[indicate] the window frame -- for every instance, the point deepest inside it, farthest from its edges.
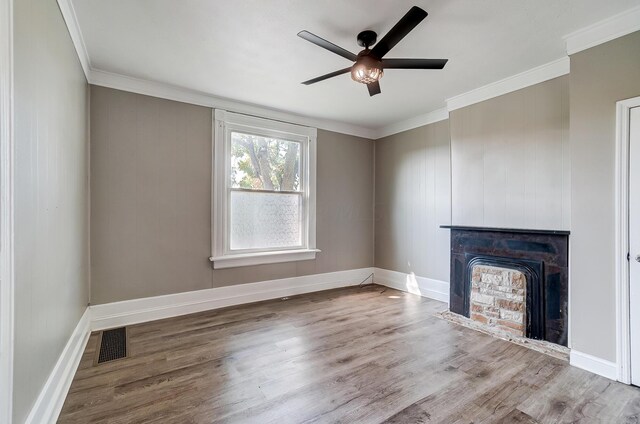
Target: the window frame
(224, 123)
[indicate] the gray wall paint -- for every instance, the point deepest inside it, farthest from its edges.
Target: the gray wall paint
(151, 197)
(150, 191)
(510, 159)
(600, 76)
(412, 182)
(51, 195)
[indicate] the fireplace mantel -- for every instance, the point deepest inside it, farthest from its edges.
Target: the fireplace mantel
(507, 230)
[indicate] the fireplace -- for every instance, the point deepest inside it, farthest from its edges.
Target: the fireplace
(514, 280)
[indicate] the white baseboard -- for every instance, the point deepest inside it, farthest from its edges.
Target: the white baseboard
(135, 311)
(49, 403)
(594, 364)
(411, 283)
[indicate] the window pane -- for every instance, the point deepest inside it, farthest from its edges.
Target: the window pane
(263, 163)
(265, 220)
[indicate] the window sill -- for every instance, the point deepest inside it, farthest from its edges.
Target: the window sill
(247, 259)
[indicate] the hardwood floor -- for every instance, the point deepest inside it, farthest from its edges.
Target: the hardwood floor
(355, 355)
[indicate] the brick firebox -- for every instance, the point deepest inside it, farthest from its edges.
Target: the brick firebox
(498, 298)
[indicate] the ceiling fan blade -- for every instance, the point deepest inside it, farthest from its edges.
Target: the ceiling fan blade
(327, 45)
(327, 76)
(413, 63)
(374, 88)
(414, 16)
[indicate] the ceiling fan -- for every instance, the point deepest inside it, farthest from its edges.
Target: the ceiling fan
(369, 64)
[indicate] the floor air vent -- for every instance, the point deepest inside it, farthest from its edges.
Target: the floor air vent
(113, 345)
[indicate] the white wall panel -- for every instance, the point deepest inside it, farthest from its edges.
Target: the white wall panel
(413, 201)
(51, 195)
(510, 161)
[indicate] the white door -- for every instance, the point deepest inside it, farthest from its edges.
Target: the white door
(634, 241)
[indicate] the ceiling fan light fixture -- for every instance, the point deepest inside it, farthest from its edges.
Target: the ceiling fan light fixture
(368, 65)
(365, 75)
(366, 70)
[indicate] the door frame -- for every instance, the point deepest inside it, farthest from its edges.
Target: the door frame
(7, 283)
(623, 316)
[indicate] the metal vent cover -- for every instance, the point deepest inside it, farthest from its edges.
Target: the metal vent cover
(113, 345)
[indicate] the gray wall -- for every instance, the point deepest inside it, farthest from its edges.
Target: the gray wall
(412, 179)
(600, 76)
(51, 195)
(504, 162)
(510, 159)
(151, 197)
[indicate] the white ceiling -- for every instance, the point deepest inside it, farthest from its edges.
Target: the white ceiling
(248, 50)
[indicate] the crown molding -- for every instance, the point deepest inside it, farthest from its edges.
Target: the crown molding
(415, 122)
(71, 20)
(507, 85)
(606, 30)
(600, 32)
(185, 95)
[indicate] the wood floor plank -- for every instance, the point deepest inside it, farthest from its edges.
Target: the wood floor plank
(354, 355)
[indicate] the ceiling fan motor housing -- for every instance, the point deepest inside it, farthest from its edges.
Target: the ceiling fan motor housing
(367, 38)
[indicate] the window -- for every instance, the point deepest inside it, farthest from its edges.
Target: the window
(264, 191)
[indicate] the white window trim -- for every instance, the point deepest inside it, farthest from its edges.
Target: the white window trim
(220, 255)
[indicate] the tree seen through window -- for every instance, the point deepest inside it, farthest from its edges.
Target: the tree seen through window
(262, 163)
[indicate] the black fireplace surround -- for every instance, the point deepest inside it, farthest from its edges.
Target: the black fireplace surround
(542, 256)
